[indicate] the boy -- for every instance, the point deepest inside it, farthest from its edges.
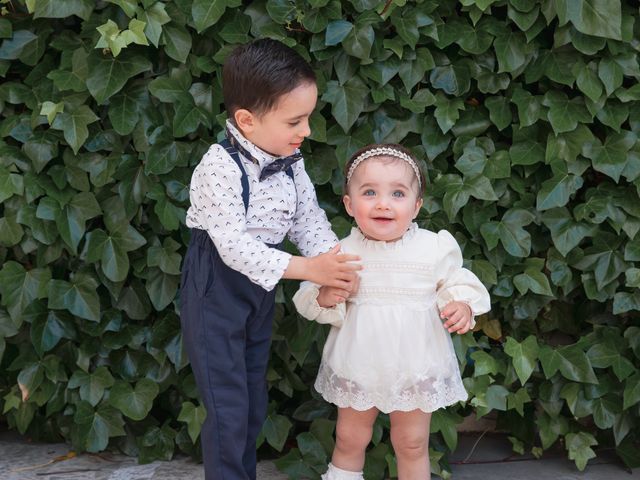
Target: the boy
(244, 200)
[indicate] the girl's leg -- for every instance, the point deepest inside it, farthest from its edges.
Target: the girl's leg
(410, 439)
(353, 434)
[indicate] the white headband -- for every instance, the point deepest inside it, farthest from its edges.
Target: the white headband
(384, 152)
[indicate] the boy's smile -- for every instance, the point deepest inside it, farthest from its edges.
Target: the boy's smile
(382, 198)
(281, 130)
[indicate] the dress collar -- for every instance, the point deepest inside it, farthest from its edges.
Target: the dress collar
(384, 245)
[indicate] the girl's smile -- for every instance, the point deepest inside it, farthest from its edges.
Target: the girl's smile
(382, 198)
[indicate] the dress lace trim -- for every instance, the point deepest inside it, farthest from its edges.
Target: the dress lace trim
(426, 392)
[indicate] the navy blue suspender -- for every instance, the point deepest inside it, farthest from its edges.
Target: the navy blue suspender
(244, 180)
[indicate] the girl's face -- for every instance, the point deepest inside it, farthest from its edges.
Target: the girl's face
(382, 197)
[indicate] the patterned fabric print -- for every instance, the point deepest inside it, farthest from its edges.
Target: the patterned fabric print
(277, 207)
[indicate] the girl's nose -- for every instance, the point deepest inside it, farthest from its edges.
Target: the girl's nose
(382, 204)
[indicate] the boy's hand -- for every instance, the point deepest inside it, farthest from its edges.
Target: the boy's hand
(334, 269)
(329, 297)
(458, 317)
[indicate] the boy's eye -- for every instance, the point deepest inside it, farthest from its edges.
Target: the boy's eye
(294, 124)
(398, 193)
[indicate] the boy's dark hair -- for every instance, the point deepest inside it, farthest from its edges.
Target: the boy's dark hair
(255, 75)
(394, 146)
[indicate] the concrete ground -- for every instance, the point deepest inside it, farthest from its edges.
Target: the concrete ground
(487, 457)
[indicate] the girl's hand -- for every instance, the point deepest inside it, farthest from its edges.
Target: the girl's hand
(458, 317)
(330, 296)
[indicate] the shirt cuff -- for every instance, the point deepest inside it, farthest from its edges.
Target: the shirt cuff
(306, 302)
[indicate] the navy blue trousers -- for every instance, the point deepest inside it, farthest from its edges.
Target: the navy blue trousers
(226, 325)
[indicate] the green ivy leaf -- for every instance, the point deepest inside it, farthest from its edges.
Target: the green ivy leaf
(206, 13)
(194, 418)
(78, 296)
(499, 111)
(579, 447)
(161, 288)
(134, 403)
(154, 17)
(359, 41)
(601, 18)
(92, 385)
(10, 184)
(107, 75)
(67, 8)
(95, 427)
(511, 51)
(47, 331)
(611, 157)
(73, 124)
(445, 421)
(20, 287)
(447, 111)
(565, 231)
(510, 232)
(524, 355)
(347, 101)
(575, 365)
(564, 114)
(631, 392)
(276, 430)
(557, 191)
(336, 32)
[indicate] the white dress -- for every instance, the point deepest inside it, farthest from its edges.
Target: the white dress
(387, 347)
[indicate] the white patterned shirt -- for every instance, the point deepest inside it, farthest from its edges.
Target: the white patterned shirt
(277, 207)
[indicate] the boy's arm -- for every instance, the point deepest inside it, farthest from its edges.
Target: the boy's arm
(332, 269)
(217, 207)
(311, 231)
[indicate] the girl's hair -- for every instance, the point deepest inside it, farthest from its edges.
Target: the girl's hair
(257, 74)
(385, 150)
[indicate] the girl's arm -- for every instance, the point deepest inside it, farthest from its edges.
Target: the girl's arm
(458, 286)
(306, 302)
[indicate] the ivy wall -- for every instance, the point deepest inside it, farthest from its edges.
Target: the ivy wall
(525, 112)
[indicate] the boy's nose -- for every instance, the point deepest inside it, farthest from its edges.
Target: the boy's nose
(305, 130)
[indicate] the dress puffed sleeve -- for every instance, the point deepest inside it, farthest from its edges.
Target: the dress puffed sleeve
(306, 302)
(456, 283)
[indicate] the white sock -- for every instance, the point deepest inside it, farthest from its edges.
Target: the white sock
(335, 473)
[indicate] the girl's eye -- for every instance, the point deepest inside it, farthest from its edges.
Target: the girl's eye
(398, 193)
(368, 193)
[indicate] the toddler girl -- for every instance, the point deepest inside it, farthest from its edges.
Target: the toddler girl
(389, 348)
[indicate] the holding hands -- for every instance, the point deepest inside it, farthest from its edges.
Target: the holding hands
(335, 269)
(330, 296)
(458, 317)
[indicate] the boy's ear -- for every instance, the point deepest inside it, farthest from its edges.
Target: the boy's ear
(347, 204)
(245, 120)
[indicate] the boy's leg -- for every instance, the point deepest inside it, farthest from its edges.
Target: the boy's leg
(213, 322)
(258, 334)
(410, 440)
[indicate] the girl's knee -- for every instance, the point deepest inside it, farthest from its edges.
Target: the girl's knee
(352, 438)
(410, 444)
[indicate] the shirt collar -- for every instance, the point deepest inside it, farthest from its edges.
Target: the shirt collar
(260, 155)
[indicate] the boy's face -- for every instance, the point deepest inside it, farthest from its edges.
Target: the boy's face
(383, 199)
(281, 130)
